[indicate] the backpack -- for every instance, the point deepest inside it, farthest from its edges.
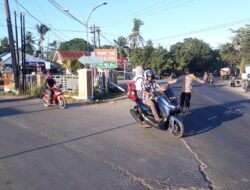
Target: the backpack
(132, 95)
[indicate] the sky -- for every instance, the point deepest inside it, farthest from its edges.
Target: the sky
(166, 22)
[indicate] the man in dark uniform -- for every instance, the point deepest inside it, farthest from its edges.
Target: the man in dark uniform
(49, 85)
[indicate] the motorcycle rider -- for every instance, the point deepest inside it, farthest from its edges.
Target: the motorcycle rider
(50, 83)
(149, 88)
(210, 78)
(139, 78)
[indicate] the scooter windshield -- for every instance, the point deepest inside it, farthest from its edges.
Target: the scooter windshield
(170, 94)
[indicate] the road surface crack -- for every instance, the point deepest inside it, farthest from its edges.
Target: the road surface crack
(149, 184)
(202, 166)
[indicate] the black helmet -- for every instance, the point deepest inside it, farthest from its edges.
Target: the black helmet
(186, 70)
(149, 73)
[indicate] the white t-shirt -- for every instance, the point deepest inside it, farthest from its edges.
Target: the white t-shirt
(138, 86)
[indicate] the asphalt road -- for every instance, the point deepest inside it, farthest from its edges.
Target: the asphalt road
(102, 147)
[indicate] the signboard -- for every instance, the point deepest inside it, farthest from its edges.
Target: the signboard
(90, 60)
(47, 65)
(109, 57)
(109, 65)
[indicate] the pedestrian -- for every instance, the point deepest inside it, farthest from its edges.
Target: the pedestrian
(186, 89)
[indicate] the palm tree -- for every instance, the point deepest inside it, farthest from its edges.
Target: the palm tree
(42, 30)
(135, 39)
(29, 43)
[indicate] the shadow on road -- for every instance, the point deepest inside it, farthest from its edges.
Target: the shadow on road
(7, 100)
(64, 142)
(213, 116)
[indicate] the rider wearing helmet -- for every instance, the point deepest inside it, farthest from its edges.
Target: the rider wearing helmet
(49, 85)
(149, 88)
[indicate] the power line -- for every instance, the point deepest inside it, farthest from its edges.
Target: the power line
(29, 13)
(143, 10)
(152, 12)
(111, 43)
(60, 8)
(205, 29)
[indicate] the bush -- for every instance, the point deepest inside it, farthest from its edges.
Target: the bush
(36, 91)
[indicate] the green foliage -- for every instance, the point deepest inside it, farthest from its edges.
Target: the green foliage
(76, 44)
(76, 65)
(121, 42)
(36, 91)
(4, 45)
(229, 54)
(192, 53)
(29, 42)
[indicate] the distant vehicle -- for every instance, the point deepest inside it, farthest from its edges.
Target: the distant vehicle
(225, 73)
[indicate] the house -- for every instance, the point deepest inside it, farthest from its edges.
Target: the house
(65, 58)
(32, 63)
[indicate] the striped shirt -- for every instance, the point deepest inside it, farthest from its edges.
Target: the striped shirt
(151, 87)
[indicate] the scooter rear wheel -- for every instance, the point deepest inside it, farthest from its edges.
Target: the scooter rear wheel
(45, 101)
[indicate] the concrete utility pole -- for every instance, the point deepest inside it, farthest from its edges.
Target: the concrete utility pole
(23, 53)
(12, 45)
(98, 36)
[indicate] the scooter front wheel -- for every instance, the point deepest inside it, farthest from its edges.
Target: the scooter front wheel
(176, 127)
(62, 102)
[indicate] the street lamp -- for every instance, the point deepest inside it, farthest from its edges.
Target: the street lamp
(87, 23)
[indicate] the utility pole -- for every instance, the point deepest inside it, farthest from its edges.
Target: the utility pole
(17, 50)
(23, 48)
(93, 30)
(98, 36)
(12, 45)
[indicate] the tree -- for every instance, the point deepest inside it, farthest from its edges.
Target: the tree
(135, 38)
(52, 47)
(241, 43)
(192, 53)
(29, 43)
(229, 55)
(76, 44)
(4, 45)
(121, 44)
(42, 29)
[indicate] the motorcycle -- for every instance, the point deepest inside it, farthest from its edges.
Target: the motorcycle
(232, 81)
(58, 98)
(210, 82)
(167, 104)
(246, 85)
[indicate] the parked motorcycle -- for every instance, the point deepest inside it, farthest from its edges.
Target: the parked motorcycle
(168, 108)
(210, 82)
(246, 85)
(232, 81)
(58, 98)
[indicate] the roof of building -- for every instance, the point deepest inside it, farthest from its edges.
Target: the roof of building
(30, 59)
(72, 55)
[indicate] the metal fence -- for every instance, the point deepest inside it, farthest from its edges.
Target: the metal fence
(121, 74)
(68, 82)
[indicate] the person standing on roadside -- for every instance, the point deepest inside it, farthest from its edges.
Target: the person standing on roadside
(187, 88)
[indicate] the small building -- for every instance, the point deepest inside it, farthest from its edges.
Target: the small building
(33, 64)
(66, 58)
